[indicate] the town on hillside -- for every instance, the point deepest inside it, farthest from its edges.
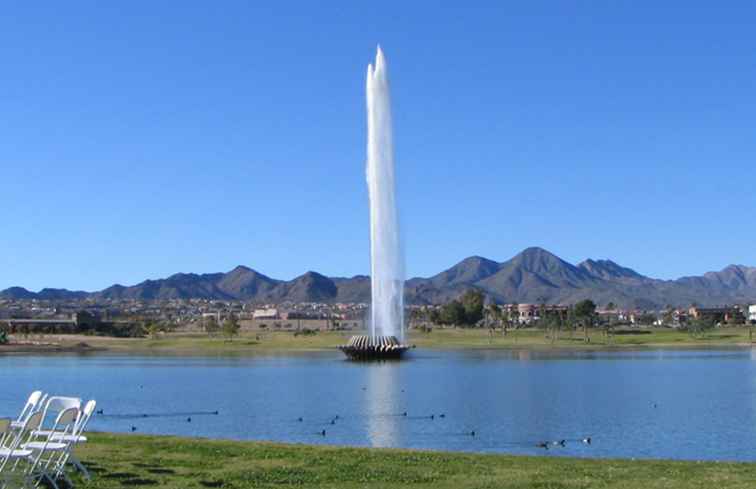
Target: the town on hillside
(137, 318)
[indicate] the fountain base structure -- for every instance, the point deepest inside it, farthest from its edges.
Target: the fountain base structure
(366, 348)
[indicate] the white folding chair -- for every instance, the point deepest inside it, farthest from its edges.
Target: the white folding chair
(76, 438)
(13, 453)
(47, 453)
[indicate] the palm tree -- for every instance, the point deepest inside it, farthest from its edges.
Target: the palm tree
(493, 313)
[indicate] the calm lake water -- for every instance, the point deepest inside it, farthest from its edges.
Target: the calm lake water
(648, 404)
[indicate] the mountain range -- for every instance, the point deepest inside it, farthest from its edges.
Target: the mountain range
(533, 276)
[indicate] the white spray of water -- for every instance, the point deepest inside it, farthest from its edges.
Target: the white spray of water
(387, 260)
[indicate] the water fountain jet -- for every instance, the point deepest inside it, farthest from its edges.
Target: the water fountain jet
(386, 257)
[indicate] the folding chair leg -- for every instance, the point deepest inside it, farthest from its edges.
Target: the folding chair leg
(69, 482)
(50, 479)
(80, 467)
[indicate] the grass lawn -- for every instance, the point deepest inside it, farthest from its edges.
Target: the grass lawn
(284, 341)
(120, 461)
(534, 338)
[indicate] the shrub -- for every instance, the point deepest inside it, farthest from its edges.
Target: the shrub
(306, 332)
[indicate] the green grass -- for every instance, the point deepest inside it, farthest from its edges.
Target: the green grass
(533, 338)
(121, 461)
(282, 341)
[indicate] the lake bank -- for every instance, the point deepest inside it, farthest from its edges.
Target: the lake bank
(250, 343)
(172, 462)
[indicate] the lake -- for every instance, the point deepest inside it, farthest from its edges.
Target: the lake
(643, 404)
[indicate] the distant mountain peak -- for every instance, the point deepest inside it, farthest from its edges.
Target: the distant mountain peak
(535, 250)
(535, 258)
(607, 269)
(469, 270)
(311, 275)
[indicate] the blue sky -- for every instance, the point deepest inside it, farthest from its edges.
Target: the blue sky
(142, 139)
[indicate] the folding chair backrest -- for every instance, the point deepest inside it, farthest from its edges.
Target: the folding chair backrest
(31, 404)
(66, 419)
(86, 413)
(33, 423)
(58, 404)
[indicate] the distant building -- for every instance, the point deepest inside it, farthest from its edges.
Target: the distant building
(303, 315)
(532, 312)
(608, 315)
(752, 313)
(270, 313)
(679, 317)
(215, 315)
(719, 314)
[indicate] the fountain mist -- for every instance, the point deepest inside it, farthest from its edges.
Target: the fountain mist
(387, 260)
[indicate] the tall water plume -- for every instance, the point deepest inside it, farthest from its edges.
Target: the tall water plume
(387, 260)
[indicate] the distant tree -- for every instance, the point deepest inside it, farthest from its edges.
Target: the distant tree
(551, 323)
(608, 324)
(472, 301)
(699, 327)
(513, 316)
(585, 314)
(611, 306)
(3, 337)
(493, 314)
(452, 313)
(647, 319)
(152, 329)
(418, 317)
(210, 324)
(668, 317)
(541, 307)
(735, 318)
(435, 316)
(231, 327)
(168, 326)
(585, 309)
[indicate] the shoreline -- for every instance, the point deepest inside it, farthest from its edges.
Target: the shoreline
(285, 343)
(51, 349)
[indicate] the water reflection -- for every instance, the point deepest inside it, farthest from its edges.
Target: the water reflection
(381, 404)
